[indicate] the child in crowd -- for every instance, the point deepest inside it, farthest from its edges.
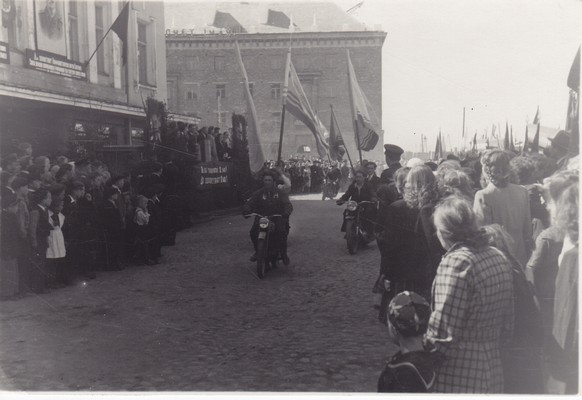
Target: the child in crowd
(56, 251)
(412, 368)
(143, 232)
(113, 228)
(39, 230)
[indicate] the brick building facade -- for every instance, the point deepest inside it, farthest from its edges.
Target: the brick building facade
(204, 78)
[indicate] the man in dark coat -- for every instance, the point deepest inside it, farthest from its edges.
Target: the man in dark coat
(317, 177)
(372, 178)
(270, 200)
(392, 154)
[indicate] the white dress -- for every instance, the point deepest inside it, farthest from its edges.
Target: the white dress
(56, 240)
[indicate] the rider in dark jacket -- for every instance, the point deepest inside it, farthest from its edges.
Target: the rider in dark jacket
(361, 190)
(270, 200)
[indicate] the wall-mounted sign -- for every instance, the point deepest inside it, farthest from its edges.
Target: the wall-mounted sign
(54, 64)
(4, 53)
(207, 176)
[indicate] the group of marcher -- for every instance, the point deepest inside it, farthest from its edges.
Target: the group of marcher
(62, 221)
(479, 270)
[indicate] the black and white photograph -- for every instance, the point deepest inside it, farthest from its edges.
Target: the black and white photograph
(289, 197)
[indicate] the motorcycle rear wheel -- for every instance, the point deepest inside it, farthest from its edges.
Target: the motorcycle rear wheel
(261, 259)
(352, 238)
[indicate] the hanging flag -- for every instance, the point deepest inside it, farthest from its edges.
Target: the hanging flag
(336, 142)
(256, 156)
(506, 138)
(493, 130)
(525, 142)
(474, 147)
(120, 26)
(439, 150)
(365, 129)
(297, 104)
(537, 117)
(535, 144)
(574, 75)
(511, 145)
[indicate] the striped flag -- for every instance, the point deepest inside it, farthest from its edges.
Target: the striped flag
(365, 129)
(256, 155)
(297, 104)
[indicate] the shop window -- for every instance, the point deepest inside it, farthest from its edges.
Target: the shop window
(275, 91)
(73, 30)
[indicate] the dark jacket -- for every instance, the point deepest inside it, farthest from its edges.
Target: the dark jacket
(111, 218)
(374, 181)
(412, 372)
(387, 175)
(269, 202)
(366, 193)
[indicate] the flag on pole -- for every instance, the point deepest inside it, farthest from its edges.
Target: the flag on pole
(535, 144)
(506, 138)
(256, 156)
(474, 146)
(537, 117)
(574, 75)
(120, 26)
(336, 142)
(511, 144)
(366, 129)
(439, 151)
(525, 142)
(297, 104)
(493, 130)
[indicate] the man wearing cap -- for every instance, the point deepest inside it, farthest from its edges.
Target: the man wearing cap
(392, 153)
(317, 177)
(559, 148)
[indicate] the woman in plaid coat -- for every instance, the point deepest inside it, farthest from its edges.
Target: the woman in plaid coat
(472, 301)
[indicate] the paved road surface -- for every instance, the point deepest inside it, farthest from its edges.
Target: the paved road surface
(202, 321)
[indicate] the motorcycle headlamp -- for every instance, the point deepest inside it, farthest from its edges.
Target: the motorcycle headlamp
(352, 206)
(264, 223)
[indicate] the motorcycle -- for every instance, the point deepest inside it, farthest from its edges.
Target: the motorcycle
(355, 235)
(267, 250)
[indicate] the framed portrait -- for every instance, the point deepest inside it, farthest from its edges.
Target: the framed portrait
(50, 26)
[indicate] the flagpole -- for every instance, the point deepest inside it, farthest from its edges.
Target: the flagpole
(285, 85)
(346, 147)
(103, 38)
(354, 119)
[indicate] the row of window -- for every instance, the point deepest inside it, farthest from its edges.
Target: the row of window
(276, 63)
(192, 90)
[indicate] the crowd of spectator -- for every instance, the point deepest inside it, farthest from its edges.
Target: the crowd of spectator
(62, 221)
(479, 272)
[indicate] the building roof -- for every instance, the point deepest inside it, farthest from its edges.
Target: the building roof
(252, 17)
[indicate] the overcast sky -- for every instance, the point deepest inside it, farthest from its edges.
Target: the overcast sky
(498, 58)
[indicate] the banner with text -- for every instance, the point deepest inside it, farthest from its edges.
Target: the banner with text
(54, 64)
(4, 53)
(212, 175)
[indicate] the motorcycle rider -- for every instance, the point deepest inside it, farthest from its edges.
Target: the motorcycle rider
(270, 200)
(333, 177)
(361, 190)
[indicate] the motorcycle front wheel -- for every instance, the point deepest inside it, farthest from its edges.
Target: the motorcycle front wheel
(261, 259)
(352, 238)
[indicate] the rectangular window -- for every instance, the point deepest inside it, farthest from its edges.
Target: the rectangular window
(276, 63)
(142, 52)
(99, 31)
(275, 91)
(74, 30)
(191, 91)
(219, 63)
(221, 91)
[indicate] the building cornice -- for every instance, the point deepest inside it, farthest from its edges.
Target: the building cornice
(184, 39)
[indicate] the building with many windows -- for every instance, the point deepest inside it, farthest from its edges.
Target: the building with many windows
(204, 77)
(51, 97)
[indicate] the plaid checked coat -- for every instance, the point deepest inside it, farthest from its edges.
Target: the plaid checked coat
(472, 312)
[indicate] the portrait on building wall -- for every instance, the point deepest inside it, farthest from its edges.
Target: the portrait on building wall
(50, 26)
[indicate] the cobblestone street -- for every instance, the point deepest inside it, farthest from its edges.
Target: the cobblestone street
(202, 321)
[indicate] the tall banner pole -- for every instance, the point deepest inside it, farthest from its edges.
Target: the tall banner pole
(285, 85)
(354, 117)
